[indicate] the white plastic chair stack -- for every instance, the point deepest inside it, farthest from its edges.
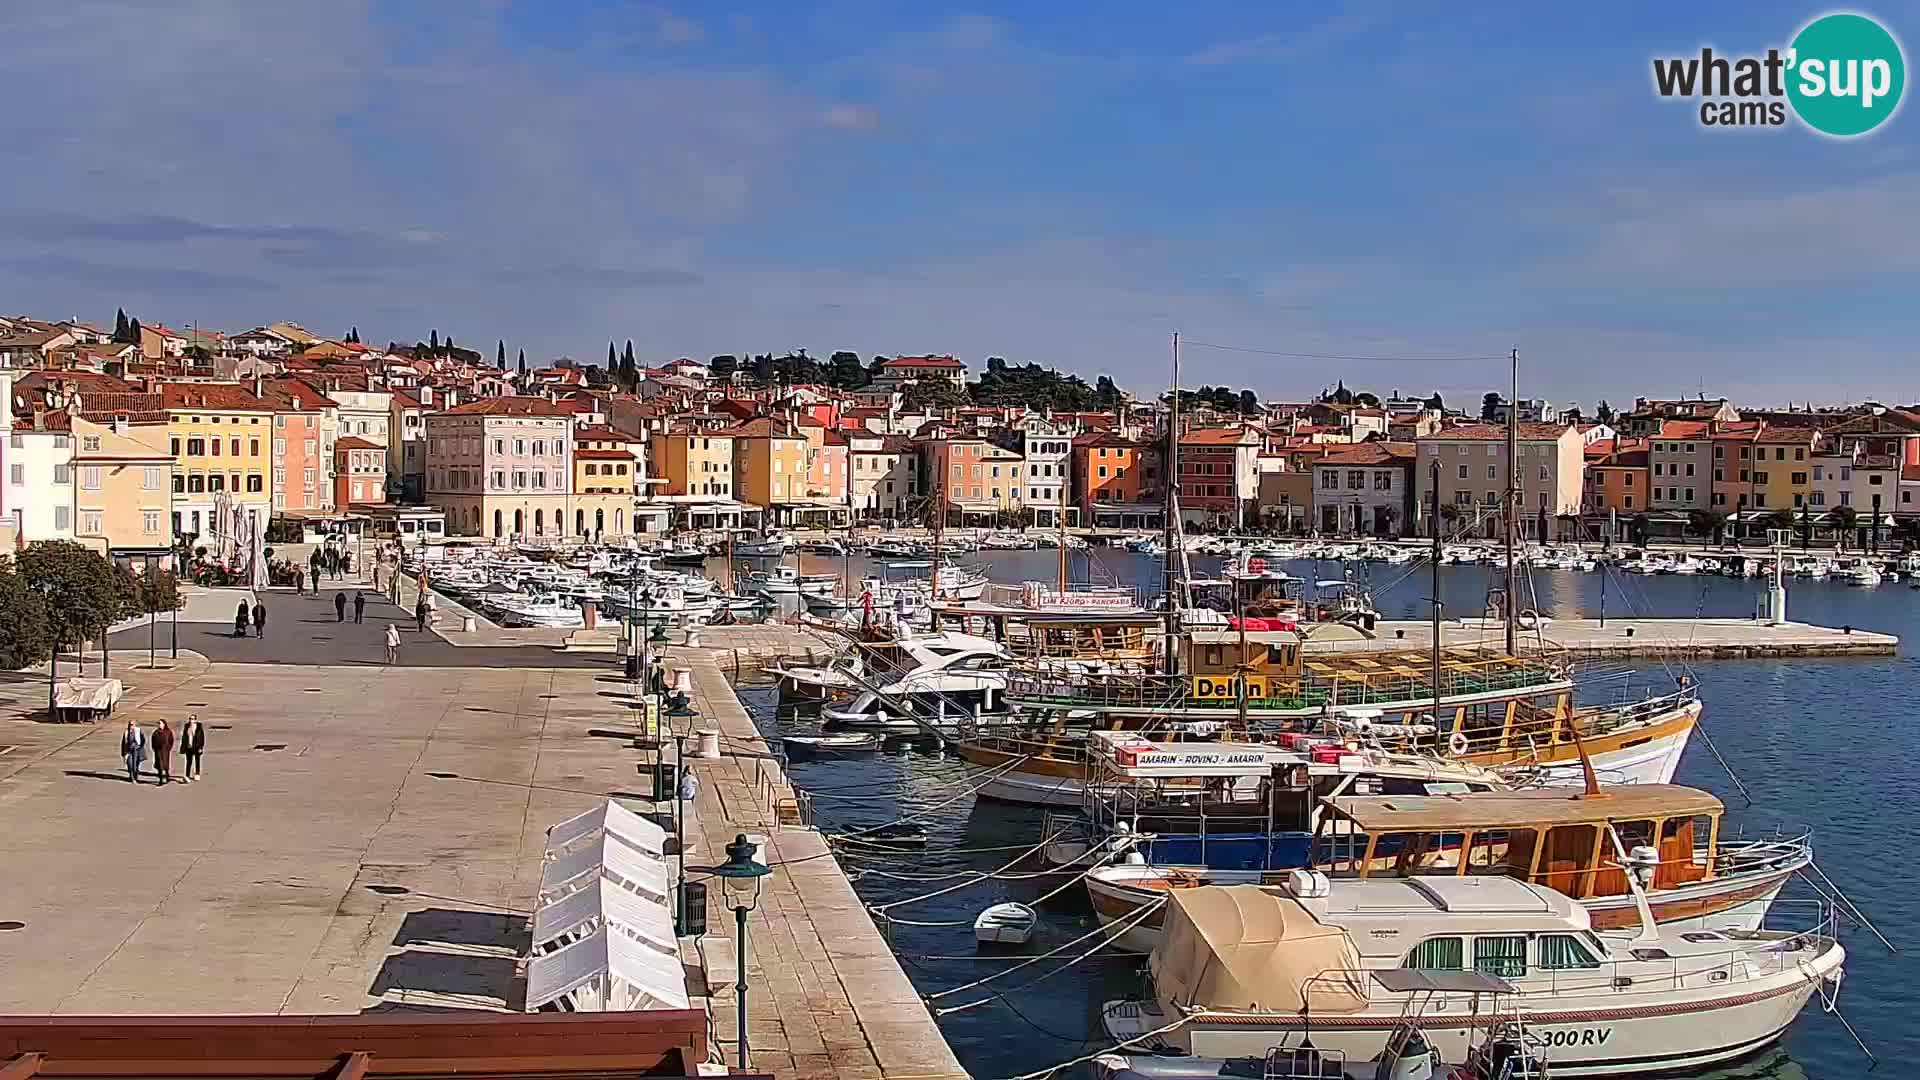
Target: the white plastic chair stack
(602, 937)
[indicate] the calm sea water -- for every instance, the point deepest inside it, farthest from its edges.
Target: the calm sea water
(1826, 743)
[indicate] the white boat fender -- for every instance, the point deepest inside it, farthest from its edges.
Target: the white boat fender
(1457, 743)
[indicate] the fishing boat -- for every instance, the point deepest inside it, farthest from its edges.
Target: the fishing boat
(825, 545)
(787, 580)
(547, 611)
(1005, 924)
(685, 553)
(771, 545)
(843, 743)
(1857, 572)
(1244, 970)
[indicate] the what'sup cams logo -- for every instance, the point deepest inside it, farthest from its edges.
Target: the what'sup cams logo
(1842, 76)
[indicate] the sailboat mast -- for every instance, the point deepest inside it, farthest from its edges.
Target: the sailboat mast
(1061, 515)
(1433, 515)
(1168, 572)
(1513, 490)
(939, 522)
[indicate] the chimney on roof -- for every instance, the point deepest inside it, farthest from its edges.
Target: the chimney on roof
(256, 382)
(39, 419)
(120, 423)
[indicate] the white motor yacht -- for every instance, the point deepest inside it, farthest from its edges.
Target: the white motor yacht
(1244, 970)
(937, 680)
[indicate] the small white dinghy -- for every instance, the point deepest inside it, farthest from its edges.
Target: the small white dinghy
(1005, 924)
(851, 743)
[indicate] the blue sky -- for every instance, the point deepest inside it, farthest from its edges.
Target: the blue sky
(1065, 185)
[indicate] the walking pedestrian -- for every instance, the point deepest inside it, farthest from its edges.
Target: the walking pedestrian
(259, 619)
(193, 741)
(376, 574)
(163, 741)
(393, 643)
(240, 620)
(359, 606)
(339, 607)
(133, 748)
(314, 569)
(420, 613)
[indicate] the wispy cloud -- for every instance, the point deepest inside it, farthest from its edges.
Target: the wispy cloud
(1288, 44)
(848, 117)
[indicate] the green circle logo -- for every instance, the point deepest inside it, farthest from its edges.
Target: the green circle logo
(1846, 74)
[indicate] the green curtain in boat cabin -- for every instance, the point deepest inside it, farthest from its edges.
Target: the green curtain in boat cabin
(1564, 952)
(1438, 954)
(1504, 955)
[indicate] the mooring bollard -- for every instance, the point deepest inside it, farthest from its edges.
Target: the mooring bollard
(468, 624)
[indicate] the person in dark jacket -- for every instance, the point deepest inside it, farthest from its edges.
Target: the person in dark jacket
(259, 619)
(339, 607)
(359, 607)
(420, 613)
(163, 740)
(240, 620)
(133, 749)
(193, 741)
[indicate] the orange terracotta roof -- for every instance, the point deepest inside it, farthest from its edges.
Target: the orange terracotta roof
(601, 455)
(1684, 429)
(510, 405)
(1371, 453)
(355, 442)
(1525, 431)
(1219, 437)
(221, 396)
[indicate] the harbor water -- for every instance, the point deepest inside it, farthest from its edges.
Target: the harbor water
(1826, 743)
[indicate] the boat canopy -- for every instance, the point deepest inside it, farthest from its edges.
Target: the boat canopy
(1241, 948)
(1544, 808)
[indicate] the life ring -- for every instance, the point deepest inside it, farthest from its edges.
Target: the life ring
(1457, 743)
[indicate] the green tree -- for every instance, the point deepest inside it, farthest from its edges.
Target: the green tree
(500, 355)
(523, 365)
(353, 334)
(723, 366)
(938, 392)
(1639, 528)
(141, 594)
(1435, 403)
(433, 339)
(1708, 523)
(1249, 403)
(1603, 412)
(1844, 519)
(133, 332)
(24, 635)
(523, 360)
(1105, 394)
(78, 587)
(629, 378)
(1490, 407)
(120, 325)
(845, 371)
(1367, 399)
(613, 359)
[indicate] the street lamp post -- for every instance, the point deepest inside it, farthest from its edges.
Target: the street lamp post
(740, 878)
(680, 715)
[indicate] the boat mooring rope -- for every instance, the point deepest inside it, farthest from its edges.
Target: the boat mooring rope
(1111, 931)
(1039, 1074)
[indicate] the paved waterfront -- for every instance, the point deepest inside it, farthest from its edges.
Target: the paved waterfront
(370, 837)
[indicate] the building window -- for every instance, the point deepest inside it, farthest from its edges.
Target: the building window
(179, 484)
(90, 477)
(18, 474)
(151, 522)
(1463, 471)
(63, 518)
(63, 474)
(195, 446)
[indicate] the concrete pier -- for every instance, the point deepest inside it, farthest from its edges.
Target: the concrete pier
(826, 997)
(1703, 639)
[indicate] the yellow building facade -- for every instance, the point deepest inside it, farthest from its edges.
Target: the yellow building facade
(693, 463)
(123, 488)
(769, 463)
(221, 439)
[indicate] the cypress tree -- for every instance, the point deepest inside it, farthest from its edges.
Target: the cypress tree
(613, 364)
(523, 361)
(500, 355)
(433, 340)
(629, 371)
(133, 332)
(120, 325)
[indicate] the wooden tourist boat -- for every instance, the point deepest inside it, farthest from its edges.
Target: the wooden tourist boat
(1494, 710)
(1692, 879)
